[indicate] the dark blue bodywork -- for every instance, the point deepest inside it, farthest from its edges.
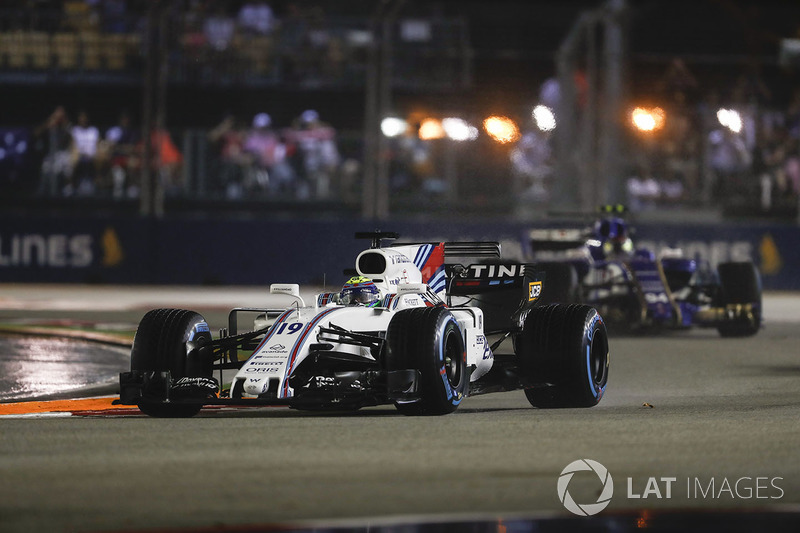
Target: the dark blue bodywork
(635, 288)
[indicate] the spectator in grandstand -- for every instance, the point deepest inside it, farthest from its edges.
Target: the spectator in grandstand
(256, 18)
(118, 150)
(193, 39)
(85, 140)
(532, 163)
(643, 189)
(767, 162)
(677, 80)
(167, 161)
(317, 155)
(54, 141)
(219, 29)
(729, 160)
(793, 115)
(269, 168)
(410, 161)
(678, 149)
(304, 39)
(791, 166)
(227, 139)
(783, 156)
(323, 49)
(15, 169)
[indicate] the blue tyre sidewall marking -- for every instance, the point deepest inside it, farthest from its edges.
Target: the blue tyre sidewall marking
(595, 388)
(592, 386)
(452, 396)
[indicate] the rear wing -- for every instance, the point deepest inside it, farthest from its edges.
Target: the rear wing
(504, 291)
(460, 248)
(472, 249)
(451, 249)
(431, 258)
(491, 277)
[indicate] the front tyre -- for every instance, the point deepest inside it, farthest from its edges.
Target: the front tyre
(563, 350)
(160, 351)
(429, 340)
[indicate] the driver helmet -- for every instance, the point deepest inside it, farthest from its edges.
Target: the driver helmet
(613, 233)
(360, 291)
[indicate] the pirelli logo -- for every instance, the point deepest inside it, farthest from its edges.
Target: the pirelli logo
(534, 290)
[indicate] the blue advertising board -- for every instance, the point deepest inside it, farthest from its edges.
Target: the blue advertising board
(259, 251)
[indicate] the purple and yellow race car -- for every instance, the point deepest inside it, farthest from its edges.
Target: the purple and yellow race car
(640, 291)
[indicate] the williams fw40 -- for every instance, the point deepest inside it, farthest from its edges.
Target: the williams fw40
(411, 328)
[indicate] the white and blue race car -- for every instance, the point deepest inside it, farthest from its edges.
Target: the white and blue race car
(410, 328)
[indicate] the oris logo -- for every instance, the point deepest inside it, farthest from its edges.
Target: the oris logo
(606, 485)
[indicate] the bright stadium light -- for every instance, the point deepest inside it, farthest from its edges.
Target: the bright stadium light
(431, 128)
(501, 129)
(459, 129)
(731, 119)
(648, 120)
(544, 117)
(393, 126)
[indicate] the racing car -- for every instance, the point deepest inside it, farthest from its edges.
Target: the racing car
(407, 329)
(636, 290)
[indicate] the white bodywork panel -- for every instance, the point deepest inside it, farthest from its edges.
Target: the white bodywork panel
(287, 343)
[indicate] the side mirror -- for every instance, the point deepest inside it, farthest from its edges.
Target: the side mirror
(289, 289)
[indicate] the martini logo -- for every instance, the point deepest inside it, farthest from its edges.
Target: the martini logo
(492, 271)
(604, 481)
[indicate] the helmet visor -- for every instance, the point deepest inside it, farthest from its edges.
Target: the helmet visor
(360, 295)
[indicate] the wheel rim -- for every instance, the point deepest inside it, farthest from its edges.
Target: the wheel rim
(598, 359)
(452, 359)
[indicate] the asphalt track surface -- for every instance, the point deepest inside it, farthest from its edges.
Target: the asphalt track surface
(720, 416)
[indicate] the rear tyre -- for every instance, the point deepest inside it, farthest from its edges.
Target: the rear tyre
(740, 283)
(560, 283)
(563, 349)
(159, 347)
(430, 341)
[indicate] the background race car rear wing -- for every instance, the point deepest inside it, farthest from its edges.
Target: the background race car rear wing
(557, 239)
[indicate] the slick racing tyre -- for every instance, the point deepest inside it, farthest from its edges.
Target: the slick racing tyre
(740, 283)
(160, 351)
(429, 340)
(564, 349)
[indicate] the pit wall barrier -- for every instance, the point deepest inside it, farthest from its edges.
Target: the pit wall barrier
(189, 251)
